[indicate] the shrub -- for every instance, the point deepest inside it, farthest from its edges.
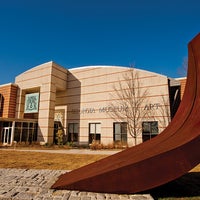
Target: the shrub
(96, 145)
(59, 137)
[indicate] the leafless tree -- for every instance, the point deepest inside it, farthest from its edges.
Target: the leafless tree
(130, 96)
(164, 115)
(183, 69)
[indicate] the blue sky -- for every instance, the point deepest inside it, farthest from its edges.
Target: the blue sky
(151, 34)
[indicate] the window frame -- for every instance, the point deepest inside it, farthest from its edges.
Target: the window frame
(95, 136)
(122, 135)
(74, 135)
(152, 132)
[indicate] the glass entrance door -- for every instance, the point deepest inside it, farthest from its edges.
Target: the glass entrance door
(6, 135)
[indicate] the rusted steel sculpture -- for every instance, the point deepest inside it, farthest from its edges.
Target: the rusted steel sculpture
(164, 158)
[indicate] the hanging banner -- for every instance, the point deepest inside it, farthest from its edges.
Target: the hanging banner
(31, 103)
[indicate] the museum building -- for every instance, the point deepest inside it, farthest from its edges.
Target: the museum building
(92, 103)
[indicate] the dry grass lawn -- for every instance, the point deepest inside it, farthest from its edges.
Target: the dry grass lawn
(37, 160)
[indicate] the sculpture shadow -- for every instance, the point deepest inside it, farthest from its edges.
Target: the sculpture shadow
(187, 185)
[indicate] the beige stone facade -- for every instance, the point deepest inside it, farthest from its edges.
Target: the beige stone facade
(47, 79)
(81, 101)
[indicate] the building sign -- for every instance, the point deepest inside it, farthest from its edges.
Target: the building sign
(152, 106)
(31, 103)
(105, 109)
(110, 109)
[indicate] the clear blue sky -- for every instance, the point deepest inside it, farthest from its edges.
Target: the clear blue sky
(151, 34)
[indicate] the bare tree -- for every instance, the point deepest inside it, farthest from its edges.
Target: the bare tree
(129, 95)
(163, 114)
(183, 69)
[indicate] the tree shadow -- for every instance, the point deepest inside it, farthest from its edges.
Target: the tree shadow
(186, 186)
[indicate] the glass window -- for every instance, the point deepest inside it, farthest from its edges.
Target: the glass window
(117, 128)
(25, 132)
(92, 128)
(120, 132)
(94, 132)
(98, 128)
(73, 130)
(149, 130)
(154, 128)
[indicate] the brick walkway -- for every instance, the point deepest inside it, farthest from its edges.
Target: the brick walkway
(23, 184)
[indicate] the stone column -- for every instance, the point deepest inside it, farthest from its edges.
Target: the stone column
(20, 104)
(12, 133)
(46, 113)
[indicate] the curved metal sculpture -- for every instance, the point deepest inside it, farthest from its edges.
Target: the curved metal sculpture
(164, 158)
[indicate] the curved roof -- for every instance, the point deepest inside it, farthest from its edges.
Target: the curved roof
(112, 66)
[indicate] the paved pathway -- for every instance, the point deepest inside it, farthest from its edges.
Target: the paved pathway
(24, 184)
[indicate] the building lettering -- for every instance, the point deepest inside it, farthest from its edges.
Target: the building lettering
(109, 109)
(152, 106)
(105, 109)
